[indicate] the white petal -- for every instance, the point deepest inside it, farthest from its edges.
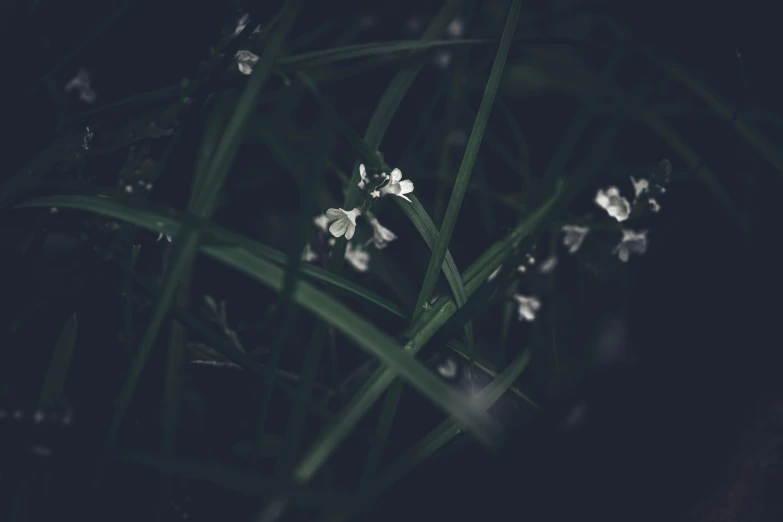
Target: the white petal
(448, 368)
(404, 197)
(640, 186)
(375, 194)
(362, 171)
(321, 222)
(521, 268)
(406, 186)
(350, 230)
(396, 176)
(352, 215)
(548, 265)
(339, 227)
(654, 206)
(335, 213)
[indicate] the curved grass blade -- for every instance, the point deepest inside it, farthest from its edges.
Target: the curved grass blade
(466, 168)
(436, 439)
(54, 383)
(246, 483)
(310, 191)
(203, 204)
(365, 335)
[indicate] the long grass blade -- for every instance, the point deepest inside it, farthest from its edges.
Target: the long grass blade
(203, 204)
(54, 383)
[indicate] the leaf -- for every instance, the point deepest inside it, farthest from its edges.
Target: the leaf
(54, 383)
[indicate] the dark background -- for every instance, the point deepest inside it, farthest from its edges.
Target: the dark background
(700, 309)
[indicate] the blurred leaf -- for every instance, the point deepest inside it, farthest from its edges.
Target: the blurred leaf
(54, 383)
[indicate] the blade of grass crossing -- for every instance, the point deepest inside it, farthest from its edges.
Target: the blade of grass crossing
(203, 204)
(465, 170)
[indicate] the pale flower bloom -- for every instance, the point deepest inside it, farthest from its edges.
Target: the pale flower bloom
(398, 186)
(548, 265)
(358, 257)
(614, 204)
(241, 24)
(322, 222)
(528, 306)
(343, 222)
(574, 237)
(246, 61)
(363, 174)
(81, 82)
(456, 28)
(654, 206)
(530, 259)
(640, 186)
(308, 255)
(381, 236)
(375, 194)
(522, 269)
(632, 242)
(448, 368)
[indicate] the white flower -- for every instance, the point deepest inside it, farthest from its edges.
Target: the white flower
(548, 265)
(614, 204)
(245, 61)
(527, 307)
(363, 174)
(641, 186)
(442, 59)
(654, 206)
(359, 258)
(448, 368)
(321, 221)
(574, 237)
(381, 236)
(241, 23)
(456, 28)
(344, 222)
(635, 242)
(81, 82)
(521, 268)
(530, 259)
(494, 274)
(308, 255)
(375, 194)
(398, 186)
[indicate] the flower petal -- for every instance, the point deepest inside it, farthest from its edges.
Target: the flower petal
(406, 186)
(351, 228)
(396, 176)
(339, 227)
(335, 213)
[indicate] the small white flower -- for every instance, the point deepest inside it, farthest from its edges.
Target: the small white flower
(321, 221)
(381, 236)
(442, 59)
(308, 255)
(161, 236)
(343, 222)
(522, 268)
(398, 186)
(548, 265)
(654, 206)
(81, 83)
(456, 28)
(358, 257)
(528, 306)
(614, 204)
(245, 61)
(241, 24)
(495, 273)
(448, 368)
(375, 194)
(640, 186)
(574, 237)
(530, 259)
(635, 242)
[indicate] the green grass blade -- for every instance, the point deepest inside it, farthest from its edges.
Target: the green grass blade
(54, 383)
(203, 204)
(365, 335)
(469, 159)
(309, 191)
(246, 483)
(435, 440)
